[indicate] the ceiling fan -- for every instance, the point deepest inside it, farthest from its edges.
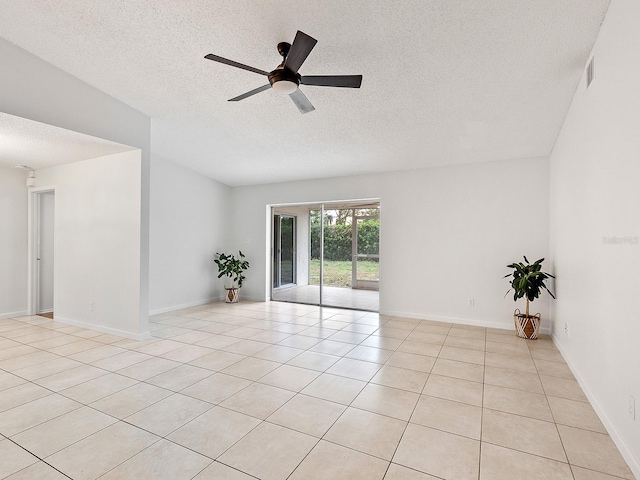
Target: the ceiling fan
(285, 79)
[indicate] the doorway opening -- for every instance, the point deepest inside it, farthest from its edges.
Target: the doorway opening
(41, 252)
(333, 250)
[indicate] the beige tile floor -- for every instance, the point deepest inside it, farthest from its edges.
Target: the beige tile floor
(286, 391)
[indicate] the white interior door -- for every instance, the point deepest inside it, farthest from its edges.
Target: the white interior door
(45, 253)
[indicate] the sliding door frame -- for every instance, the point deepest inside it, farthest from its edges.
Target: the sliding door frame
(321, 207)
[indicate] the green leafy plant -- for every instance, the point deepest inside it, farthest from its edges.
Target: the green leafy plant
(528, 280)
(232, 267)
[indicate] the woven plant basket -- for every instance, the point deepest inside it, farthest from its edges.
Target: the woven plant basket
(527, 326)
(232, 295)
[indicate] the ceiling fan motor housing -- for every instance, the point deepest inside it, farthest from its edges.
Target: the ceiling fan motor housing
(283, 49)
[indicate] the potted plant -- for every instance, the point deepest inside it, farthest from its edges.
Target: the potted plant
(528, 281)
(232, 267)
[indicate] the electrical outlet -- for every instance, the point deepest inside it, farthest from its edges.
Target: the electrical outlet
(632, 408)
(91, 306)
(566, 329)
(471, 302)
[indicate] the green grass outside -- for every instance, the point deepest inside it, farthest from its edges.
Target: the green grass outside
(338, 273)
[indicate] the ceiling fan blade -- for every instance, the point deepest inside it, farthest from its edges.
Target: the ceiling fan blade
(252, 92)
(216, 58)
(349, 81)
(302, 102)
(299, 51)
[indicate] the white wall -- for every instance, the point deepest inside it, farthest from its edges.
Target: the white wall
(38, 91)
(189, 224)
(447, 234)
(595, 174)
(97, 242)
(46, 222)
(13, 242)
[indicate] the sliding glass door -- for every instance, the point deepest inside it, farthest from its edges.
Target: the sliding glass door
(341, 265)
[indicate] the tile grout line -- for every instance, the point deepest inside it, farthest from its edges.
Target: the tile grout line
(546, 399)
(484, 373)
(36, 456)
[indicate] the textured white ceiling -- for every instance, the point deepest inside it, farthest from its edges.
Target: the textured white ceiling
(37, 145)
(445, 81)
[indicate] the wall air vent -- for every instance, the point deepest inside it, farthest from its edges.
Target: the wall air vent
(590, 72)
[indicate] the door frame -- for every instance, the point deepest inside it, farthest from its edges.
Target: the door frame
(321, 207)
(33, 238)
(277, 250)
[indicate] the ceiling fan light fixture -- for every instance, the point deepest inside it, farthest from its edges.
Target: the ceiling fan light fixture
(284, 87)
(285, 79)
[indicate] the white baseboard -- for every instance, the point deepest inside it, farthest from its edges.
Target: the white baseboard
(21, 313)
(627, 454)
(421, 316)
(194, 303)
(458, 320)
(103, 329)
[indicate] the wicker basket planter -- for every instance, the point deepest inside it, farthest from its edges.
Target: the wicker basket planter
(232, 295)
(527, 326)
